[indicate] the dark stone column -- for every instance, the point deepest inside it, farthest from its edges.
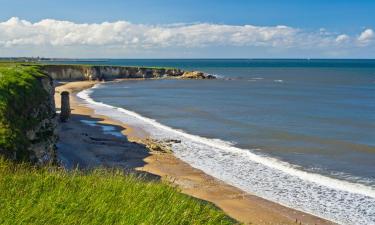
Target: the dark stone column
(65, 107)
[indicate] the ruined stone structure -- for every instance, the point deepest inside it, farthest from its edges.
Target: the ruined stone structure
(65, 107)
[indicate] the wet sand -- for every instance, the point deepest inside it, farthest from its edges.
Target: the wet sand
(85, 143)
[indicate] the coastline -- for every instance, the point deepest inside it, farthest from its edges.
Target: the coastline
(241, 206)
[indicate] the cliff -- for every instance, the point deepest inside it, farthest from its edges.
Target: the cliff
(27, 108)
(27, 114)
(88, 72)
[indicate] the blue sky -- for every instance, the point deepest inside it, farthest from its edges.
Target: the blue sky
(336, 17)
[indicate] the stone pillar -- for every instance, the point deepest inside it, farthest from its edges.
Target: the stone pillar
(65, 107)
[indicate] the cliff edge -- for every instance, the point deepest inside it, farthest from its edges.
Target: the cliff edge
(91, 72)
(27, 114)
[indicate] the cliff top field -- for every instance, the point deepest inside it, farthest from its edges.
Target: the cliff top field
(30, 195)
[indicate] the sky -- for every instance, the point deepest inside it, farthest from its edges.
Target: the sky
(188, 28)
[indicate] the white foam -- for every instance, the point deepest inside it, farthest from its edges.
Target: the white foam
(333, 199)
(256, 79)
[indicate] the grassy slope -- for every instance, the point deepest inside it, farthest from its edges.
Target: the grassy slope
(29, 195)
(20, 92)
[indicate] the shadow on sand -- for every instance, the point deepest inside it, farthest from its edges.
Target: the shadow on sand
(86, 144)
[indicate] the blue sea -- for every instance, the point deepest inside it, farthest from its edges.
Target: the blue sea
(297, 132)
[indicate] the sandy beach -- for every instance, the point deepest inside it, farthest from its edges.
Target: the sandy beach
(89, 140)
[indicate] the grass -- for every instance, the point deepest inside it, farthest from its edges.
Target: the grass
(20, 93)
(30, 195)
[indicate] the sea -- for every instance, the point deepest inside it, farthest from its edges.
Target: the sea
(299, 132)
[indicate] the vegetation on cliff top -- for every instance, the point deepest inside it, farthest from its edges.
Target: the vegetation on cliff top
(20, 93)
(30, 195)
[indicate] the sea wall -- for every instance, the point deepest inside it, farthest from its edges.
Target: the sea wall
(89, 72)
(27, 115)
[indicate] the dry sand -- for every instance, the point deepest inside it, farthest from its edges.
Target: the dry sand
(87, 146)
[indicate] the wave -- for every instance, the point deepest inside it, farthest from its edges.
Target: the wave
(336, 200)
(217, 76)
(255, 79)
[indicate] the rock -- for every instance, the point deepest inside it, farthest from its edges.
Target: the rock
(175, 141)
(43, 135)
(174, 72)
(148, 73)
(209, 76)
(196, 75)
(157, 73)
(155, 147)
(158, 146)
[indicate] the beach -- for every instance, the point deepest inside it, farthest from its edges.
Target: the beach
(202, 112)
(91, 140)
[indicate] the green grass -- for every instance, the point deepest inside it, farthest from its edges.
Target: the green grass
(20, 93)
(30, 195)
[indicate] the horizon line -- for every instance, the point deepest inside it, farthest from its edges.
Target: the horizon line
(175, 58)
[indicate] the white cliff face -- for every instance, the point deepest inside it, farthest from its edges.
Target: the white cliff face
(82, 72)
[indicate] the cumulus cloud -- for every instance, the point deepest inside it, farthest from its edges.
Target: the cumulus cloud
(366, 36)
(125, 34)
(56, 34)
(342, 38)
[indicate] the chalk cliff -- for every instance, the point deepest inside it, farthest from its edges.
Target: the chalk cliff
(86, 72)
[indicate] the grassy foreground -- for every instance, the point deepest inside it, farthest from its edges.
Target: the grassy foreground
(30, 195)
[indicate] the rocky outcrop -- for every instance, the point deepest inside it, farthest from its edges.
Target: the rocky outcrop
(83, 72)
(196, 75)
(161, 146)
(42, 137)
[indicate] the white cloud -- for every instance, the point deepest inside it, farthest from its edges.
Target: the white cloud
(55, 35)
(342, 38)
(366, 36)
